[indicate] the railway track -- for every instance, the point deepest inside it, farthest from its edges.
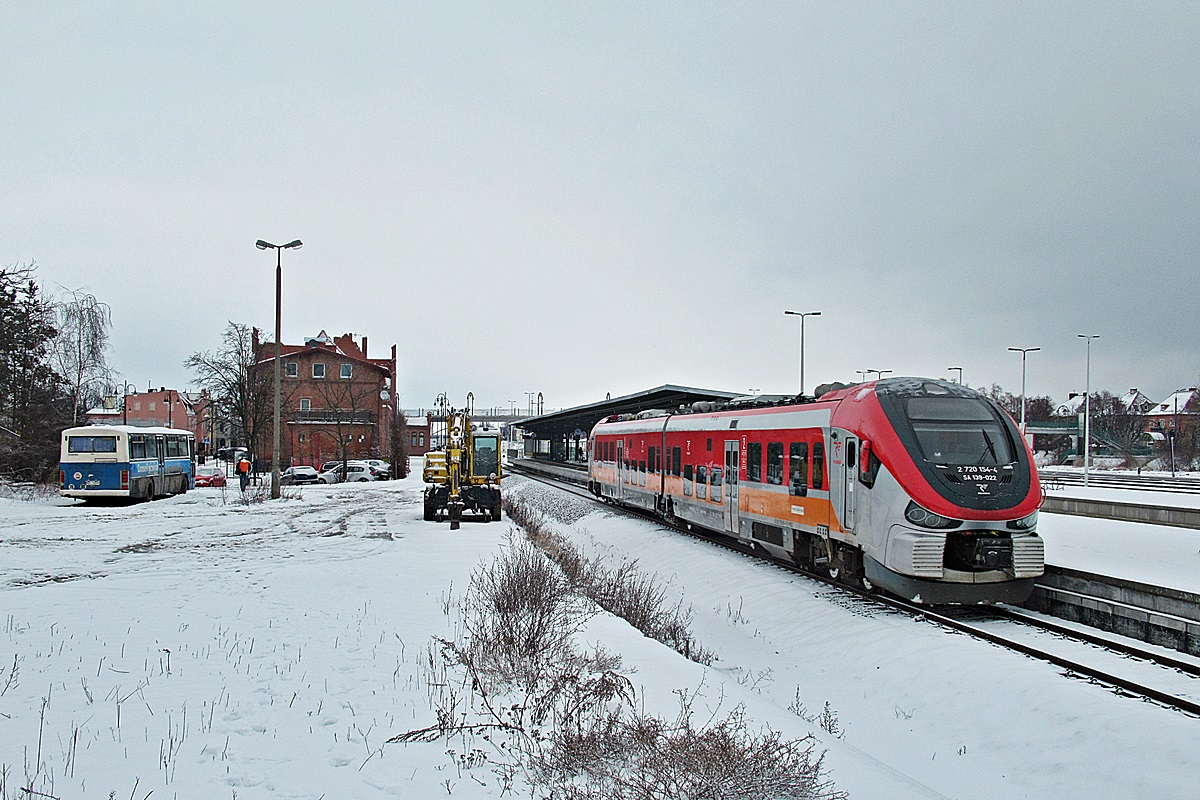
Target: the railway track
(1052, 479)
(1110, 655)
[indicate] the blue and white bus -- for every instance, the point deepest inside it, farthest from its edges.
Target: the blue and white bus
(126, 461)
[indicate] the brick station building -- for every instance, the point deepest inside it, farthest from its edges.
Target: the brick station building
(331, 393)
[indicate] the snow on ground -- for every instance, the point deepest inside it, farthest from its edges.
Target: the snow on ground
(199, 648)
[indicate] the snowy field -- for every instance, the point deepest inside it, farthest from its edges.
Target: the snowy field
(197, 648)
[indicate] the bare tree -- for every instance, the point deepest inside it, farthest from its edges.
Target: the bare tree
(399, 444)
(348, 403)
(239, 392)
(80, 349)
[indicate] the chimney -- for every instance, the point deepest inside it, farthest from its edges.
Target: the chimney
(364, 347)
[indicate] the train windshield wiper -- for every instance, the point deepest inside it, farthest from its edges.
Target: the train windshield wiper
(990, 448)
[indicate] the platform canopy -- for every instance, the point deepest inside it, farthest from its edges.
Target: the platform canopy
(578, 421)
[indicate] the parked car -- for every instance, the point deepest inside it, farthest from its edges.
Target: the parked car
(210, 476)
(295, 476)
(381, 469)
(356, 471)
(231, 453)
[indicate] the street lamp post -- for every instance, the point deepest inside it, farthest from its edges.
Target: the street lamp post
(1024, 351)
(802, 315)
(1087, 408)
(125, 401)
(879, 373)
(863, 372)
(951, 369)
(278, 248)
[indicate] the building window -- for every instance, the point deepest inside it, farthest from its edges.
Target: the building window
(422, 438)
(305, 404)
(347, 371)
(302, 438)
(291, 369)
(414, 440)
(152, 404)
(137, 405)
(318, 369)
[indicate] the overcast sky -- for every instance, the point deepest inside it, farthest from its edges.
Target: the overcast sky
(581, 198)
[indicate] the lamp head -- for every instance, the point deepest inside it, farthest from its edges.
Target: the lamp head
(294, 245)
(261, 245)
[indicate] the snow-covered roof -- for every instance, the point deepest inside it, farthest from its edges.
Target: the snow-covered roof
(1176, 402)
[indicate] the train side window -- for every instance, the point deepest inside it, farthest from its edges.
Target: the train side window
(851, 452)
(676, 460)
(818, 465)
(798, 458)
(754, 461)
(775, 463)
(714, 480)
(687, 480)
(710, 444)
(641, 473)
(650, 459)
(702, 482)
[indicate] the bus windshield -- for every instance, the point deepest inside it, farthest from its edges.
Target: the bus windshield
(958, 430)
(91, 444)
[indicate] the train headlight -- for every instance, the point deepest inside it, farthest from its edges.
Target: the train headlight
(927, 519)
(1024, 523)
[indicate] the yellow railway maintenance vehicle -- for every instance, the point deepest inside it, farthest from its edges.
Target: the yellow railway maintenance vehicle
(464, 475)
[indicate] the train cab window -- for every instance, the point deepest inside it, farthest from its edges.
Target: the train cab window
(676, 460)
(687, 480)
(754, 461)
(798, 461)
(775, 463)
(714, 481)
(818, 465)
(702, 482)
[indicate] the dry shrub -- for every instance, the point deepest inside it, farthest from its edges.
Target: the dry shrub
(520, 613)
(640, 757)
(624, 591)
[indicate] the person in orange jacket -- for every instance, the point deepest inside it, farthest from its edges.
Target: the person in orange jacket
(243, 471)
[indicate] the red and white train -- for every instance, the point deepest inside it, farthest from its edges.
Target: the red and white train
(920, 487)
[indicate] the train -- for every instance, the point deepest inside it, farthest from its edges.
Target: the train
(125, 461)
(919, 487)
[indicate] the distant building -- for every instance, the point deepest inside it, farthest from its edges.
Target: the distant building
(1171, 414)
(166, 408)
(417, 430)
(332, 394)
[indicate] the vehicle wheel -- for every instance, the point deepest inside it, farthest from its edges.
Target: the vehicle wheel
(868, 585)
(835, 573)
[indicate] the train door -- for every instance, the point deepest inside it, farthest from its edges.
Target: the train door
(621, 471)
(849, 466)
(733, 463)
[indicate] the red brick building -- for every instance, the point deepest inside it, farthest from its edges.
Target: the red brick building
(332, 394)
(167, 408)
